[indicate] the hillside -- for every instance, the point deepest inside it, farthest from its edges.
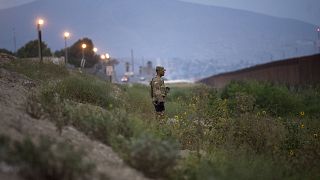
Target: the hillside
(192, 40)
(20, 117)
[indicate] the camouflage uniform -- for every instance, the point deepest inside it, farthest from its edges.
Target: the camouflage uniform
(158, 93)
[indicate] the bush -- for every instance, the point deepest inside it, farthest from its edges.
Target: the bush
(85, 90)
(65, 108)
(180, 94)
(262, 134)
(154, 157)
(222, 165)
(311, 101)
(37, 71)
(46, 160)
(301, 147)
(99, 123)
(275, 99)
(82, 89)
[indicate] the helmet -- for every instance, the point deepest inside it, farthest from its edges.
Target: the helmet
(160, 68)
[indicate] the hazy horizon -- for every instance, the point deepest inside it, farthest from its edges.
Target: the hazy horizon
(303, 10)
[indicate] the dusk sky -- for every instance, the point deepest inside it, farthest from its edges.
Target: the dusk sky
(199, 35)
(304, 10)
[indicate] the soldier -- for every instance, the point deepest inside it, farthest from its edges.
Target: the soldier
(159, 92)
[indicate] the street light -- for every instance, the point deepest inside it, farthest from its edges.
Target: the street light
(40, 22)
(109, 67)
(83, 61)
(66, 36)
(107, 56)
(95, 49)
(103, 57)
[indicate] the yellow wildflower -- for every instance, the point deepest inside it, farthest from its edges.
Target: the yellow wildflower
(291, 153)
(301, 113)
(176, 117)
(302, 126)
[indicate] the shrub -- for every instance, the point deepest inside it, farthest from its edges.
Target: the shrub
(262, 134)
(242, 103)
(311, 101)
(82, 89)
(95, 121)
(179, 93)
(46, 160)
(275, 99)
(85, 89)
(301, 148)
(152, 156)
(37, 71)
(98, 122)
(226, 165)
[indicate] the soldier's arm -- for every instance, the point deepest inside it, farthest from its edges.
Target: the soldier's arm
(163, 89)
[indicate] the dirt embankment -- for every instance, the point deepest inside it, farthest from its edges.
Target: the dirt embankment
(16, 123)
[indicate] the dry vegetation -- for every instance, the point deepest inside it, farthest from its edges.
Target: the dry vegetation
(248, 130)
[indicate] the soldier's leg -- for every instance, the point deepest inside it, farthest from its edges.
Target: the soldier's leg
(161, 114)
(161, 117)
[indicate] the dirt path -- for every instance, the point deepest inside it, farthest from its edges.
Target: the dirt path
(16, 123)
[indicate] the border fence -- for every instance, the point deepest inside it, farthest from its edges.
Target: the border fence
(295, 71)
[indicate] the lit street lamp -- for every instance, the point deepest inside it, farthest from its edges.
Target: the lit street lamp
(83, 61)
(66, 36)
(95, 49)
(39, 24)
(109, 67)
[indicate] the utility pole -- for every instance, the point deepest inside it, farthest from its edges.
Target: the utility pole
(142, 59)
(132, 61)
(66, 36)
(127, 67)
(40, 22)
(14, 41)
(318, 43)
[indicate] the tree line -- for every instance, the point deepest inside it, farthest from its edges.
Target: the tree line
(30, 49)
